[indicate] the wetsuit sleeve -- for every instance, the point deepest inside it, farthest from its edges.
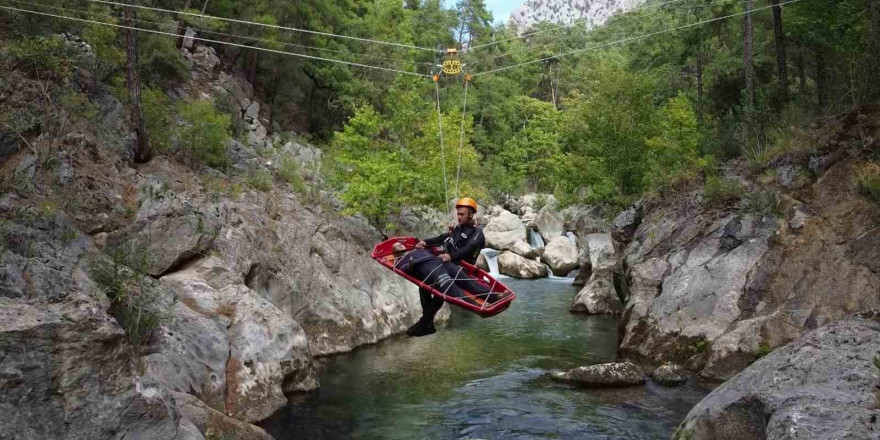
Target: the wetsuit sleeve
(475, 243)
(438, 240)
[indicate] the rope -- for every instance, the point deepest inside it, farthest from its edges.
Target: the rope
(442, 146)
(273, 26)
(630, 39)
(224, 34)
(311, 57)
(461, 137)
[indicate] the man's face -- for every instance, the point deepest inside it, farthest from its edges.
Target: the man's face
(464, 215)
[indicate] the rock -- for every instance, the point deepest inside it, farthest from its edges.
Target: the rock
(669, 374)
(819, 164)
(548, 223)
(422, 221)
(584, 220)
(518, 267)
(504, 231)
(8, 145)
(798, 216)
(207, 420)
(188, 38)
(865, 250)
(598, 297)
(238, 153)
(482, 263)
(790, 176)
(204, 62)
(525, 250)
(252, 112)
(172, 236)
(561, 256)
(822, 386)
(257, 137)
(609, 375)
(583, 275)
(624, 225)
(603, 255)
(486, 214)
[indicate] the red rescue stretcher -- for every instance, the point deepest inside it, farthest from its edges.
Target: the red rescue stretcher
(485, 309)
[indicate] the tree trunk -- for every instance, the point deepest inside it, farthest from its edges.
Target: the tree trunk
(821, 82)
(780, 49)
(141, 148)
(748, 67)
(181, 29)
(802, 69)
(700, 84)
(873, 80)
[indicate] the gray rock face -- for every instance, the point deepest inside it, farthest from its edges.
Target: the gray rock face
(599, 295)
(560, 255)
(526, 250)
(821, 386)
(624, 225)
(513, 265)
(204, 61)
(504, 231)
(669, 374)
(549, 223)
(624, 374)
(711, 289)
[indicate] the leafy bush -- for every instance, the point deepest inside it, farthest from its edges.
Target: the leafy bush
(123, 277)
(158, 110)
(42, 56)
(720, 190)
(763, 202)
(160, 60)
(204, 134)
(764, 349)
(260, 180)
(288, 170)
(869, 181)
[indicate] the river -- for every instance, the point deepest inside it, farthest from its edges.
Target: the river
(486, 379)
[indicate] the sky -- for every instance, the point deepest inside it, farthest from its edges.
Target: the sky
(500, 9)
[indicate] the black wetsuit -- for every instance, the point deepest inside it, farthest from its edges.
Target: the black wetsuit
(428, 267)
(464, 243)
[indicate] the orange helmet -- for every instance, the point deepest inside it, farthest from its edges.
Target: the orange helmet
(466, 202)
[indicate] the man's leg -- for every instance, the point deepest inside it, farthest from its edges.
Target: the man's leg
(430, 304)
(465, 282)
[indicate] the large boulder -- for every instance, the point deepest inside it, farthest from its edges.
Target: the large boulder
(821, 386)
(548, 222)
(504, 231)
(624, 225)
(584, 220)
(669, 374)
(599, 295)
(526, 250)
(611, 375)
(513, 265)
(561, 256)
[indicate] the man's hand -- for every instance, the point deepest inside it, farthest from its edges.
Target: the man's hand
(420, 245)
(445, 257)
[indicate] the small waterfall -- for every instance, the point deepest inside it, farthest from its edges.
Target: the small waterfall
(572, 238)
(535, 239)
(491, 256)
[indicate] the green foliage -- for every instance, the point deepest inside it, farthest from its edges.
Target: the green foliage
(160, 60)
(877, 362)
(158, 113)
(720, 190)
(41, 56)
(123, 275)
(204, 133)
(763, 202)
(868, 178)
(288, 170)
(763, 350)
(78, 107)
(260, 180)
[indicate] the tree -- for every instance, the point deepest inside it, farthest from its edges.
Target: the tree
(782, 67)
(141, 150)
(873, 53)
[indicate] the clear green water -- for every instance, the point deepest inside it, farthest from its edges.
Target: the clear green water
(485, 378)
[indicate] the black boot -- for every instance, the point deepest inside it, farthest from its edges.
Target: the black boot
(424, 327)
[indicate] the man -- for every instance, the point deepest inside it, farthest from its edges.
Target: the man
(462, 243)
(427, 267)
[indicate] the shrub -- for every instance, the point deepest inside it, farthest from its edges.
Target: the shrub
(869, 181)
(43, 56)
(260, 180)
(763, 202)
(720, 190)
(160, 60)
(764, 349)
(288, 170)
(158, 111)
(204, 134)
(123, 276)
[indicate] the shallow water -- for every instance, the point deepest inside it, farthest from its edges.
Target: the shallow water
(485, 378)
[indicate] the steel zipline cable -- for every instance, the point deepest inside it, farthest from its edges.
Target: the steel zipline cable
(273, 26)
(223, 34)
(631, 39)
(208, 40)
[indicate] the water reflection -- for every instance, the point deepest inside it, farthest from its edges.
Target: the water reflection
(485, 378)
